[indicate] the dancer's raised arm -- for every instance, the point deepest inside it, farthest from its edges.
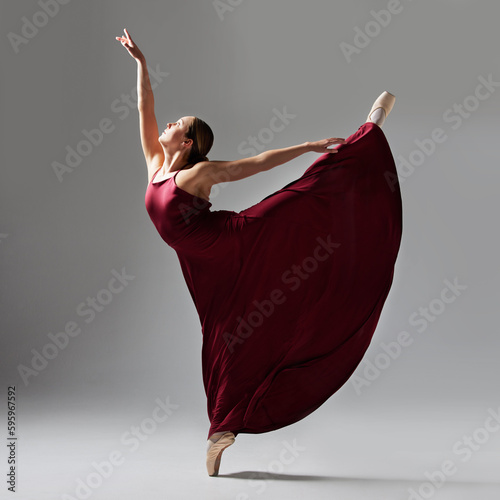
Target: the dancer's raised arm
(153, 152)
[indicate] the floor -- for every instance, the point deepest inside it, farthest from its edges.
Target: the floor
(331, 454)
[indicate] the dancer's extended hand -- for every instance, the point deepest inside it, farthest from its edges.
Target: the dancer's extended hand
(323, 145)
(129, 44)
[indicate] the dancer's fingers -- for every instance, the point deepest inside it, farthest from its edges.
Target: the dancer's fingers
(128, 35)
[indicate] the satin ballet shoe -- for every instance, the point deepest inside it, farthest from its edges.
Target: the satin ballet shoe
(214, 452)
(385, 101)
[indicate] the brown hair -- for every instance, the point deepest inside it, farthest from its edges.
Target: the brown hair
(202, 137)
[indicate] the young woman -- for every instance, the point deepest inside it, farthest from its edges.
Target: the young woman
(288, 291)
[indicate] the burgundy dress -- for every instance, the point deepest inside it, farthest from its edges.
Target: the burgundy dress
(290, 290)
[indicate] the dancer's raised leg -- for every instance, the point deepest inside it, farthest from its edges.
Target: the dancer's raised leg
(381, 108)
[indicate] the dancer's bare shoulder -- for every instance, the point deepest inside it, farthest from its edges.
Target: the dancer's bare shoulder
(196, 180)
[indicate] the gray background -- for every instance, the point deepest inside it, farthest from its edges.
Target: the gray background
(60, 240)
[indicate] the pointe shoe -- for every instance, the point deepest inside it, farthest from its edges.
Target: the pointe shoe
(385, 101)
(214, 452)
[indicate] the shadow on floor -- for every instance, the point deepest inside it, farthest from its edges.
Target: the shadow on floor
(399, 482)
(250, 474)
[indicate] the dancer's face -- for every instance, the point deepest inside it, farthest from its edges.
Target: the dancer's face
(175, 132)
